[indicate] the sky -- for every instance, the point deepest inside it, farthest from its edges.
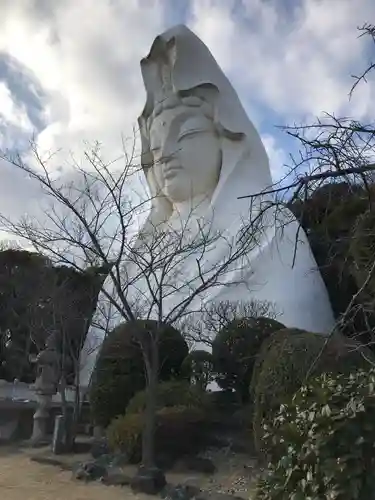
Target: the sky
(70, 75)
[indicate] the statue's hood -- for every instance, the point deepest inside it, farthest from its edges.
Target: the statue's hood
(245, 168)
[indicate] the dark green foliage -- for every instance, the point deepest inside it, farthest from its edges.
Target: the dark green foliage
(286, 359)
(172, 351)
(124, 435)
(329, 199)
(37, 298)
(362, 249)
(198, 367)
(119, 373)
(321, 441)
(21, 275)
(180, 431)
(235, 351)
(331, 242)
(69, 305)
(172, 393)
(329, 216)
(224, 401)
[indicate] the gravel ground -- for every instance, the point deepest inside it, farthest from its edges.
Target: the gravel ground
(21, 478)
(236, 473)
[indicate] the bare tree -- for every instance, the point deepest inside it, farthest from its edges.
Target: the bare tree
(217, 315)
(165, 273)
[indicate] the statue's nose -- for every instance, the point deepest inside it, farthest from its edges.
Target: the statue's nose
(169, 150)
(166, 158)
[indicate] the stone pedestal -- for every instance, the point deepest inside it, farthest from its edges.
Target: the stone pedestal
(59, 435)
(39, 436)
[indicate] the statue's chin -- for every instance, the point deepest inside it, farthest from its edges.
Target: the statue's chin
(176, 192)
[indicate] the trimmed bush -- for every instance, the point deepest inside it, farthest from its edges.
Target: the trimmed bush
(235, 350)
(119, 372)
(224, 401)
(198, 367)
(182, 431)
(322, 441)
(170, 394)
(286, 360)
(124, 435)
(179, 431)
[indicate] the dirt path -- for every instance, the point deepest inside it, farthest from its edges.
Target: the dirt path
(22, 479)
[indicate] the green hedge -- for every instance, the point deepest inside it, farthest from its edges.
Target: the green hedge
(321, 441)
(284, 363)
(235, 350)
(119, 373)
(169, 394)
(179, 431)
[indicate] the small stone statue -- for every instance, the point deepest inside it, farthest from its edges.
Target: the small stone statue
(46, 385)
(48, 361)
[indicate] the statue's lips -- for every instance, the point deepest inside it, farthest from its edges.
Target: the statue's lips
(170, 171)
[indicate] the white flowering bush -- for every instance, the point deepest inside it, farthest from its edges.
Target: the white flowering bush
(322, 442)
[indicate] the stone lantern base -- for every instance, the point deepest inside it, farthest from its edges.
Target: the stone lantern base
(39, 435)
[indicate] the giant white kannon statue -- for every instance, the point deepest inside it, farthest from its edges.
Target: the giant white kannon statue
(200, 154)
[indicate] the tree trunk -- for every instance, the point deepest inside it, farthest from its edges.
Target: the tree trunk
(148, 436)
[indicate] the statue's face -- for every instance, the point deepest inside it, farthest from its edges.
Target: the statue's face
(187, 153)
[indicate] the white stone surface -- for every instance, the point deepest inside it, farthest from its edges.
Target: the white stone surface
(200, 152)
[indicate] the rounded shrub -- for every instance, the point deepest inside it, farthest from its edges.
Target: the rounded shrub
(120, 373)
(321, 441)
(124, 435)
(198, 367)
(171, 394)
(179, 431)
(287, 359)
(235, 350)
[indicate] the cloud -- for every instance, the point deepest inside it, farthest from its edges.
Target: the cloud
(86, 57)
(278, 157)
(69, 71)
(296, 61)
